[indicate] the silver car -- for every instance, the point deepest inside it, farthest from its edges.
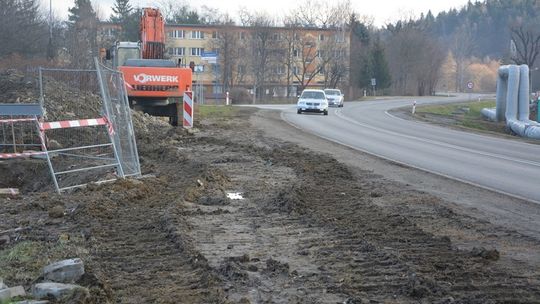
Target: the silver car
(312, 101)
(335, 98)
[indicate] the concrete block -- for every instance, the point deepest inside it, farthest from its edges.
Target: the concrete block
(56, 290)
(66, 271)
(2, 285)
(5, 295)
(17, 291)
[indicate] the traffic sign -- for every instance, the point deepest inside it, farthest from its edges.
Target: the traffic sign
(211, 57)
(470, 85)
(373, 82)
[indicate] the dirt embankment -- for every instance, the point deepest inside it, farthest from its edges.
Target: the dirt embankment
(227, 215)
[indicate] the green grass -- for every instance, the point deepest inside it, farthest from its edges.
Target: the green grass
(24, 261)
(213, 112)
(466, 115)
(450, 109)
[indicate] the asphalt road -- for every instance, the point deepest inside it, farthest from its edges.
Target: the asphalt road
(504, 165)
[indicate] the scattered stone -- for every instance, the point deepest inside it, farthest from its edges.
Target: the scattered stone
(32, 302)
(5, 295)
(276, 266)
(17, 291)
(55, 290)
(241, 259)
(253, 268)
(375, 194)
(4, 239)
(54, 145)
(66, 271)
(492, 255)
(2, 285)
(230, 246)
(56, 212)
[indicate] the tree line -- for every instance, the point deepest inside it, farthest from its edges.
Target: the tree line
(407, 57)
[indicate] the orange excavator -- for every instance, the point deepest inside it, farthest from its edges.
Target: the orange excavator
(154, 85)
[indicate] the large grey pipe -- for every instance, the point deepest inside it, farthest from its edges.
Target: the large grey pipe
(499, 112)
(513, 101)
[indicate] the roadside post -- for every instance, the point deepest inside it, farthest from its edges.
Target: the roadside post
(373, 85)
(414, 107)
(227, 100)
(187, 121)
(470, 86)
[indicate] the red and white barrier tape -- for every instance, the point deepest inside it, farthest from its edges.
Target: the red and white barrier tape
(19, 155)
(103, 121)
(17, 120)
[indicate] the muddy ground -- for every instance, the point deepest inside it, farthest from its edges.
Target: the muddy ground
(307, 229)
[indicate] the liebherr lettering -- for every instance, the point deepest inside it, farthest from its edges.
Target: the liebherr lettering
(144, 78)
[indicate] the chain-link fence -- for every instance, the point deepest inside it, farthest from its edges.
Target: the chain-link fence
(88, 130)
(118, 112)
(19, 134)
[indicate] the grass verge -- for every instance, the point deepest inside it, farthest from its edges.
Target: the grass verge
(466, 115)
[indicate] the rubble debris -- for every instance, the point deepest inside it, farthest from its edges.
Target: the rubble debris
(66, 271)
(55, 290)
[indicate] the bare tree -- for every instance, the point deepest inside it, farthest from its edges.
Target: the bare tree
(228, 46)
(527, 45)
(325, 14)
(310, 59)
(463, 47)
(414, 60)
(262, 48)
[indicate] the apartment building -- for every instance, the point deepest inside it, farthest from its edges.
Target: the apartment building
(271, 61)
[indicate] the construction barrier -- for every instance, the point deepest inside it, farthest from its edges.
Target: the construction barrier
(188, 110)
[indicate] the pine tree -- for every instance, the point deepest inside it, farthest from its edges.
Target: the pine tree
(122, 10)
(82, 34)
(380, 66)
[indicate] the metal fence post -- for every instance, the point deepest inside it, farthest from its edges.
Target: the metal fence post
(107, 114)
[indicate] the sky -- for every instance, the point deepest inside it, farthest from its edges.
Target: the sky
(382, 11)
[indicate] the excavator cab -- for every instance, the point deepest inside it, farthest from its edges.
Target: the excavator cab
(121, 52)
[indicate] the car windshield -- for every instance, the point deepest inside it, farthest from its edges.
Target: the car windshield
(313, 95)
(332, 92)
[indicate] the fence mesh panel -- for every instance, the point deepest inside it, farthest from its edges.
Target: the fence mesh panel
(87, 153)
(117, 110)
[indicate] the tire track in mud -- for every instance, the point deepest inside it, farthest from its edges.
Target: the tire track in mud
(134, 251)
(308, 213)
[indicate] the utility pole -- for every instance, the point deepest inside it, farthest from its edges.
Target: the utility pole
(50, 51)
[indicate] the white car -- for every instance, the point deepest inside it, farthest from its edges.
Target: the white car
(335, 98)
(312, 101)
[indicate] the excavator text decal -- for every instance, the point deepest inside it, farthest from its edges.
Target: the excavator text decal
(144, 78)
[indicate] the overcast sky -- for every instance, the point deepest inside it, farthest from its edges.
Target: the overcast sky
(382, 11)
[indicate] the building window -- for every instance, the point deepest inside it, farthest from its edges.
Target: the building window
(296, 36)
(197, 51)
(197, 35)
(178, 51)
(295, 70)
(340, 37)
(276, 36)
(242, 69)
(242, 35)
(279, 70)
(320, 53)
(321, 37)
(214, 35)
(178, 34)
(296, 53)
